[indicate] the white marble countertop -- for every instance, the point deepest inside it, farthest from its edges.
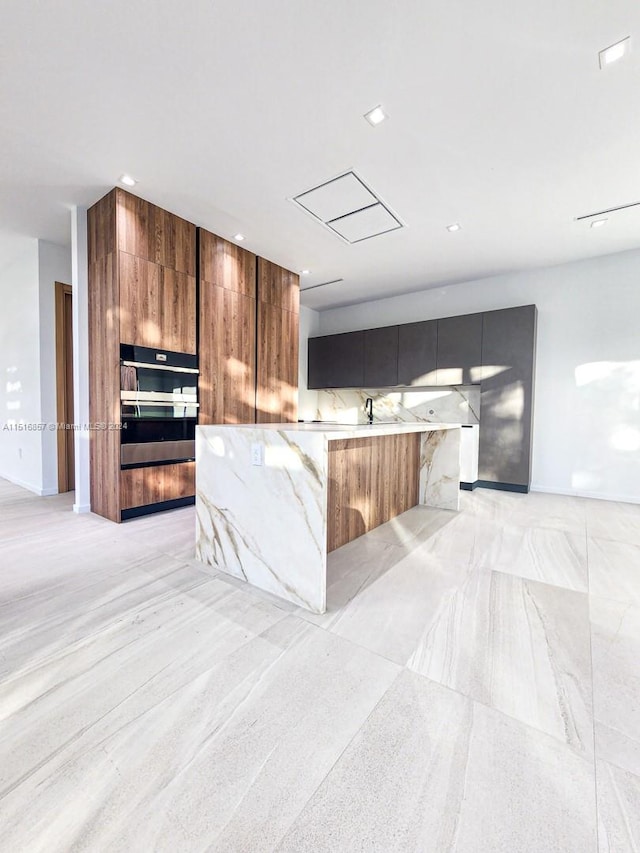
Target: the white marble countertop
(339, 431)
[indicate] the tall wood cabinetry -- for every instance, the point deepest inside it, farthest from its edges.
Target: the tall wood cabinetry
(227, 333)
(142, 291)
(248, 336)
(156, 281)
(277, 344)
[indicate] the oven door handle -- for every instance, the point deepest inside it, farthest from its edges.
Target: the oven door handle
(166, 367)
(174, 402)
(158, 398)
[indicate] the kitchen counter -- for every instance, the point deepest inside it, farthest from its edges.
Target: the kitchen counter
(336, 431)
(273, 499)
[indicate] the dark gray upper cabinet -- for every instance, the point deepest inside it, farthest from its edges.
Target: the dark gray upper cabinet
(506, 400)
(381, 357)
(459, 350)
(336, 361)
(417, 352)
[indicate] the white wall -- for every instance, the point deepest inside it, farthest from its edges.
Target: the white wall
(20, 451)
(28, 270)
(54, 263)
(587, 391)
(307, 400)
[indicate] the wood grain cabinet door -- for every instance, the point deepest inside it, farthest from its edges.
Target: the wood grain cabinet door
(277, 344)
(157, 305)
(227, 345)
(149, 232)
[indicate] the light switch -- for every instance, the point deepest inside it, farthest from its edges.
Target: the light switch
(256, 453)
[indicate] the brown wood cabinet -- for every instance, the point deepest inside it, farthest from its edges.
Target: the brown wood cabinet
(104, 358)
(149, 232)
(143, 263)
(277, 344)
(157, 483)
(157, 305)
(142, 290)
(371, 480)
(227, 345)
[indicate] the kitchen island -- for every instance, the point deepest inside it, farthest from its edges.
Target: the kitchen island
(273, 499)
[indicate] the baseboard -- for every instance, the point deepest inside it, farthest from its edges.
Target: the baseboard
(580, 493)
(36, 490)
(502, 487)
(468, 487)
(81, 508)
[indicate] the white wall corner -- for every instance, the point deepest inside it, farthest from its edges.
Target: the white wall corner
(80, 285)
(54, 264)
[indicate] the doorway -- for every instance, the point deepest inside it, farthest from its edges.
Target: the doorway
(64, 387)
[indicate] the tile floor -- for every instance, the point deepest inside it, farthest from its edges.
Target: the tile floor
(474, 686)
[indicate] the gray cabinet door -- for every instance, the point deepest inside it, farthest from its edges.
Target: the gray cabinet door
(417, 352)
(381, 357)
(459, 350)
(506, 403)
(336, 361)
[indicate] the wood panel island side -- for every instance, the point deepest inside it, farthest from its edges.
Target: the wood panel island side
(273, 500)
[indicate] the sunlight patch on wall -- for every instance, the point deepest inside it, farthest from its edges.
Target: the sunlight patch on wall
(625, 373)
(626, 439)
(488, 371)
(511, 404)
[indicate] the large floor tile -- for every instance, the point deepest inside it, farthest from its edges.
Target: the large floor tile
(433, 771)
(554, 512)
(544, 554)
(618, 798)
(134, 660)
(614, 570)
(219, 750)
(76, 608)
(516, 645)
(414, 526)
(350, 570)
(616, 682)
(617, 521)
(389, 615)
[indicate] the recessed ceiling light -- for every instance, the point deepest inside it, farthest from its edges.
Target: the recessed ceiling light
(598, 223)
(128, 181)
(614, 52)
(375, 116)
(305, 272)
(455, 227)
(238, 237)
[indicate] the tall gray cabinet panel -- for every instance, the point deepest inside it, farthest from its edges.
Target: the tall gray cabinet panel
(459, 349)
(417, 352)
(381, 357)
(506, 403)
(336, 361)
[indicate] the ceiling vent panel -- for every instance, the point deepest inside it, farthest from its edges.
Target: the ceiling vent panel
(349, 208)
(337, 197)
(366, 223)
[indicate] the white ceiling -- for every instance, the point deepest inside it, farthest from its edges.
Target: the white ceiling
(499, 118)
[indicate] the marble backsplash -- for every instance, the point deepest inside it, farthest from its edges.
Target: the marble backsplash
(459, 405)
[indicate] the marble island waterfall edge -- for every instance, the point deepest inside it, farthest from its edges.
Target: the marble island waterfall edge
(266, 523)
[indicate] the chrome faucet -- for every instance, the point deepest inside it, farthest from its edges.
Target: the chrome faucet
(368, 407)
